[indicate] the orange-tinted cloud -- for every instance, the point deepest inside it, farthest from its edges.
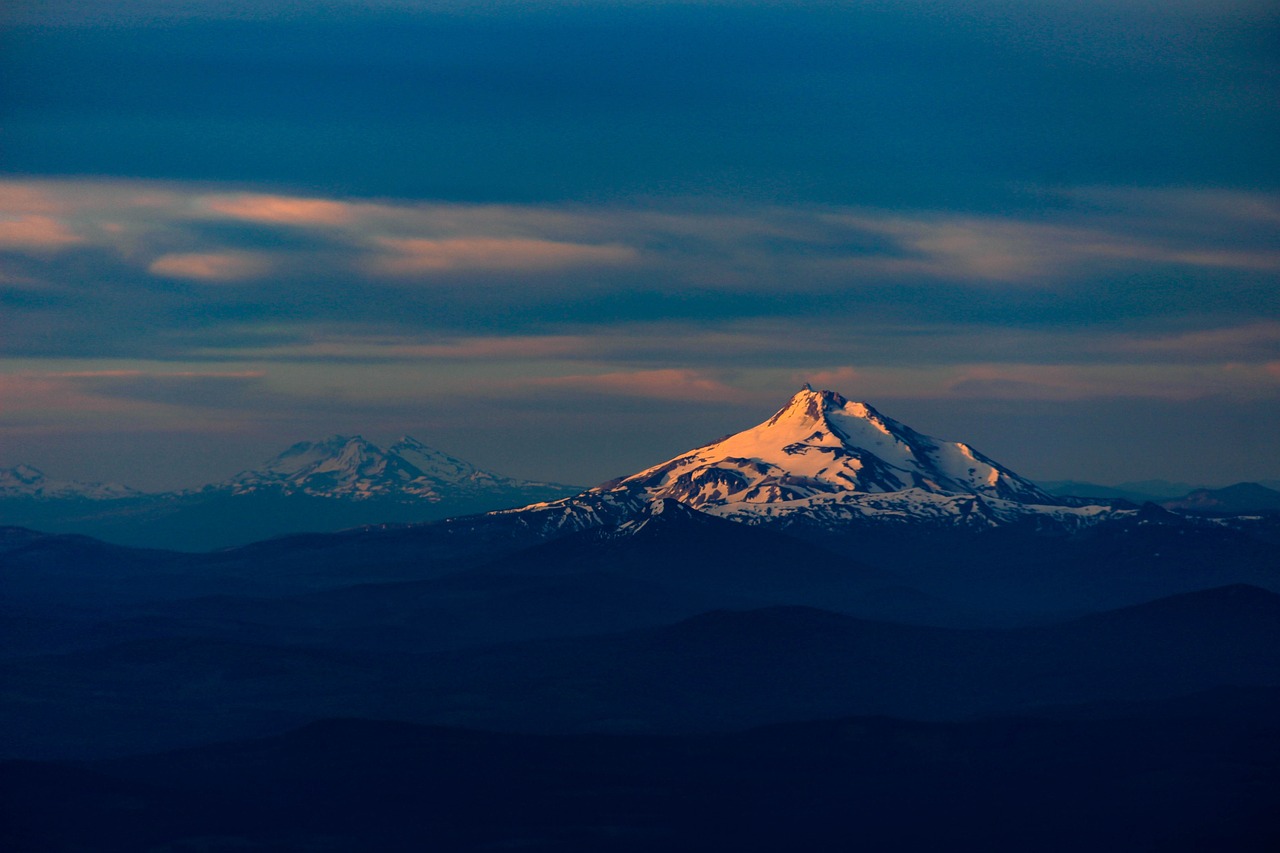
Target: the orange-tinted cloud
(416, 256)
(835, 379)
(1021, 381)
(33, 397)
(667, 384)
(210, 266)
(35, 231)
(282, 210)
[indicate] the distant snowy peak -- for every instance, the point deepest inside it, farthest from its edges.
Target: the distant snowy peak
(26, 481)
(821, 444)
(355, 468)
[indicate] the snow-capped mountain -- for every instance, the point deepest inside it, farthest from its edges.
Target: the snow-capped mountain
(823, 458)
(354, 468)
(822, 444)
(25, 481)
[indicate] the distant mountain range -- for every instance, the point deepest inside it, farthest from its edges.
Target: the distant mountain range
(314, 486)
(1161, 492)
(821, 461)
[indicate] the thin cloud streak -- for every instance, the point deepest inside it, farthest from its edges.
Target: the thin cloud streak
(211, 266)
(281, 210)
(414, 257)
(1004, 251)
(749, 248)
(656, 384)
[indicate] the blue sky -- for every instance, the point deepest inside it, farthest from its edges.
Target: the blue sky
(567, 240)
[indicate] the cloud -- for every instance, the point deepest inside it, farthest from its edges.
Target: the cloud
(33, 231)
(35, 397)
(1230, 342)
(1036, 382)
(210, 266)
(1008, 251)
(350, 347)
(833, 379)
(282, 210)
(175, 375)
(1065, 382)
(667, 384)
(175, 230)
(1050, 382)
(418, 256)
(139, 398)
(616, 288)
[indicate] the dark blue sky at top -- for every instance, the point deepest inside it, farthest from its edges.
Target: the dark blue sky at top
(876, 105)
(1020, 224)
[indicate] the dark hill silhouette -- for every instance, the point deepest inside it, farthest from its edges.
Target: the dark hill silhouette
(720, 671)
(1229, 500)
(1194, 774)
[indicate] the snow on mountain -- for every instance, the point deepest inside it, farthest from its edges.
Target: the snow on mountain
(822, 444)
(357, 469)
(25, 481)
(823, 458)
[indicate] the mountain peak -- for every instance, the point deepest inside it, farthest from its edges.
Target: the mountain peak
(810, 406)
(822, 452)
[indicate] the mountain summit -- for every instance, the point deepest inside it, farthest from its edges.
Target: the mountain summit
(824, 459)
(820, 443)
